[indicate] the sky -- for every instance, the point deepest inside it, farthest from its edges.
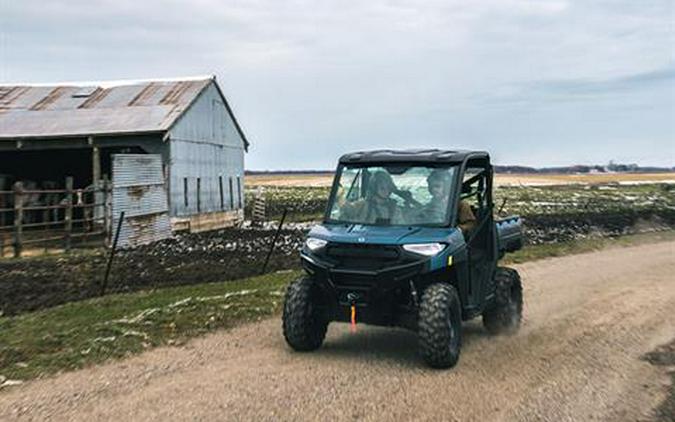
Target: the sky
(534, 82)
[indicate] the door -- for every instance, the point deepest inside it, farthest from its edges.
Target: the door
(475, 197)
(139, 191)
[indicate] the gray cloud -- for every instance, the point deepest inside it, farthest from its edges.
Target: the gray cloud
(664, 76)
(309, 80)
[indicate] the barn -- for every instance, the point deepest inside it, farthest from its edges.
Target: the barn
(171, 149)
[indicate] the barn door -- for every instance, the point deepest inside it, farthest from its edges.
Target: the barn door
(139, 190)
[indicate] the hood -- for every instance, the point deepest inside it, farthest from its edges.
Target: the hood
(382, 235)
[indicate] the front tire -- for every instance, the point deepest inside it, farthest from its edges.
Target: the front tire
(440, 326)
(304, 320)
(505, 315)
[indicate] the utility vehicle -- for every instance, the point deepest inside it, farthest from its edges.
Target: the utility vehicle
(392, 250)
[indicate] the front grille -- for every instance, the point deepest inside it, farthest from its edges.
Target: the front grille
(355, 250)
(360, 257)
(353, 280)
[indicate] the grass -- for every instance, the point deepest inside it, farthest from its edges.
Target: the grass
(82, 333)
(77, 334)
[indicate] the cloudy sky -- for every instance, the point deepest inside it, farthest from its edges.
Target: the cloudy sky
(540, 82)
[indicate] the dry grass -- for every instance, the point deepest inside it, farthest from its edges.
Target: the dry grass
(318, 180)
(290, 180)
(556, 179)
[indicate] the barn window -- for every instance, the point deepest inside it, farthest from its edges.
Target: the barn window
(199, 196)
(231, 195)
(222, 197)
(239, 190)
(185, 191)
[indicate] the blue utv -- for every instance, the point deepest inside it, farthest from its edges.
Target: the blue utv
(408, 239)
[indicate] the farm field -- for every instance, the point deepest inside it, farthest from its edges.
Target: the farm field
(552, 214)
(325, 179)
(606, 199)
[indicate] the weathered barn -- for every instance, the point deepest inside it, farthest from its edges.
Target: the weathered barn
(172, 148)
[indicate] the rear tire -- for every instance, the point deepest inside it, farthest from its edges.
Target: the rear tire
(304, 321)
(505, 315)
(440, 326)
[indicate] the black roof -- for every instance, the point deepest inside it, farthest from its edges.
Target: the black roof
(411, 155)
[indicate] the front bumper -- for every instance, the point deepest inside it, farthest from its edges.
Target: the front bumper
(380, 295)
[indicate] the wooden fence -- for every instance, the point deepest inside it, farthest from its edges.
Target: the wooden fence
(54, 218)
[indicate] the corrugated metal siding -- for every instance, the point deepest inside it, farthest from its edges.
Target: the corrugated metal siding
(139, 191)
(206, 146)
(28, 111)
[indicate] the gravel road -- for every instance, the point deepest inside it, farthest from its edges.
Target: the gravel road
(588, 320)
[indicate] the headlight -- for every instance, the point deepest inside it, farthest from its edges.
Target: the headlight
(426, 249)
(314, 243)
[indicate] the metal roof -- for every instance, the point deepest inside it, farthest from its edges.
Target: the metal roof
(411, 155)
(29, 111)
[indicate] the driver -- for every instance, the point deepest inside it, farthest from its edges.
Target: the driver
(378, 204)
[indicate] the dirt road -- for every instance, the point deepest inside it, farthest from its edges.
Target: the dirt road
(588, 319)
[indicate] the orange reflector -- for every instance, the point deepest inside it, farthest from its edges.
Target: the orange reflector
(353, 326)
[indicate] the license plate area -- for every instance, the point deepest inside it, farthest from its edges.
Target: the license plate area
(354, 296)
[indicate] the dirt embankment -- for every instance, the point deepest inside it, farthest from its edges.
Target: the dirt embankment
(588, 320)
(40, 282)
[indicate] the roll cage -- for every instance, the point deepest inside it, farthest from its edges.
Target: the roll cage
(462, 188)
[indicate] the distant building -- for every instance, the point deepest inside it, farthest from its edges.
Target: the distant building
(185, 127)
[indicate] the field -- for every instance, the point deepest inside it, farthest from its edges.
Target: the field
(626, 200)
(324, 179)
(552, 214)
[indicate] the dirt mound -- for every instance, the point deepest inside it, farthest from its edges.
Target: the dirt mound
(554, 228)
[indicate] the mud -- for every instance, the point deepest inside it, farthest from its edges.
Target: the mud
(554, 228)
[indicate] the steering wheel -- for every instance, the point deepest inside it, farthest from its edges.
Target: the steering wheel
(408, 200)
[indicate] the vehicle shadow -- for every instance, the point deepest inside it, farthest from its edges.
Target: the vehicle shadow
(387, 345)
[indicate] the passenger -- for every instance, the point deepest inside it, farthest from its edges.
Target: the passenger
(378, 204)
(439, 183)
(466, 220)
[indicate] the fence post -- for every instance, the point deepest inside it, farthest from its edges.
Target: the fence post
(68, 219)
(18, 218)
(106, 206)
(274, 241)
(258, 216)
(112, 254)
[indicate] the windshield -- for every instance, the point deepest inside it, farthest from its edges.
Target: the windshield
(392, 195)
